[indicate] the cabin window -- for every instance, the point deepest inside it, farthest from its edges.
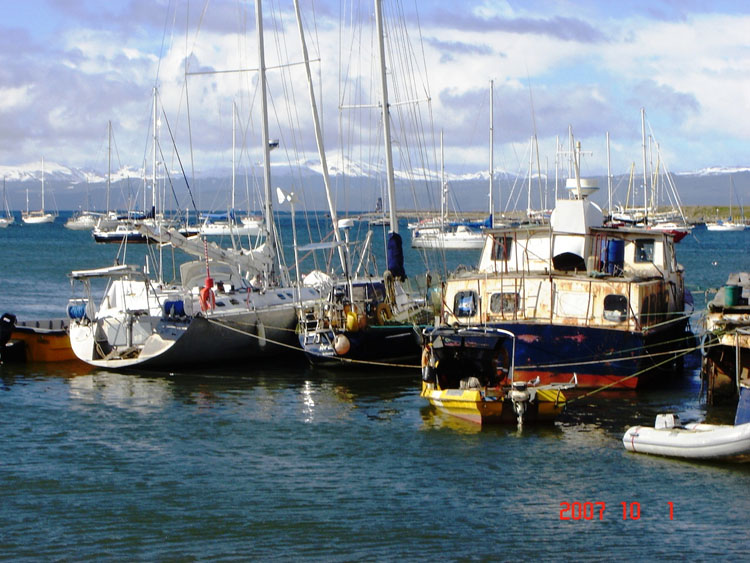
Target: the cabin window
(615, 308)
(465, 304)
(644, 250)
(503, 247)
(504, 303)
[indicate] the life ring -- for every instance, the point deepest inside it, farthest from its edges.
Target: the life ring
(383, 313)
(208, 299)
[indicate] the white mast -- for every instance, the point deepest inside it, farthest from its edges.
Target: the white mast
(153, 154)
(42, 184)
(386, 119)
(270, 276)
(645, 181)
(443, 186)
(319, 139)
(492, 151)
(109, 159)
(609, 179)
(234, 136)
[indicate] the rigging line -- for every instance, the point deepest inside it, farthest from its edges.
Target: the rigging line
(297, 349)
(179, 160)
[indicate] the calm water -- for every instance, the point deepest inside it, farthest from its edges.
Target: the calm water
(287, 462)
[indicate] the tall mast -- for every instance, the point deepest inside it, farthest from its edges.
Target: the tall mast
(386, 118)
(492, 151)
(319, 138)
(153, 155)
(234, 136)
(42, 183)
(443, 186)
(609, 179)
(270, 276)
(109, 159)
(645, 182)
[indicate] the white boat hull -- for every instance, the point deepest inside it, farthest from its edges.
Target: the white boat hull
(725, 227)
(448, 241)
(694, 441)
(38, 218)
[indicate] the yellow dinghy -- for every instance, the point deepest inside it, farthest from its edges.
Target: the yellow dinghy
(468, 373)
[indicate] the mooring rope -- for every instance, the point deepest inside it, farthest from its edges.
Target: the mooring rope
(298, 349)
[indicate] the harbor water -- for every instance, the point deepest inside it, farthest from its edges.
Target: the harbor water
(278, 460)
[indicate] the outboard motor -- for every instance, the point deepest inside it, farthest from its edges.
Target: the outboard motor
(7, 323)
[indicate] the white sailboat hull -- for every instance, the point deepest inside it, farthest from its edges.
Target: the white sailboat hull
(695, 441)
(81, 223)
(448, 240)
(241, 326)
(38, 217)
(725, 226)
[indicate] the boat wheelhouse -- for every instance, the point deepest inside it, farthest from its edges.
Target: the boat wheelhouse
(605, 304)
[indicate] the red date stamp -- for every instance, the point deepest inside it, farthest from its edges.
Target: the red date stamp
(596, 510)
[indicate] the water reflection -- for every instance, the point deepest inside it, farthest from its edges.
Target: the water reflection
(125, 391)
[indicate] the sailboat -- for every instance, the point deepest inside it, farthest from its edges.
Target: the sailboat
(672, 221)
(230, 223)
(8, 218)
(368, 319)
(40, 216)
(445, 235)
(84, 219)
(729, 224)
(232, 305)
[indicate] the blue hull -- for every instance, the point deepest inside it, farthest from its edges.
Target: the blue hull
(597, 356)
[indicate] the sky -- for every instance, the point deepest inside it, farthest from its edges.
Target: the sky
(68, 67)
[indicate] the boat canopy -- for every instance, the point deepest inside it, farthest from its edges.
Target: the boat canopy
(121, 270)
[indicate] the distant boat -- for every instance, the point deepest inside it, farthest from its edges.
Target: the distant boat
(40, 216)
(727, 225)
(8, 219)
(83, 220)
(442, 234)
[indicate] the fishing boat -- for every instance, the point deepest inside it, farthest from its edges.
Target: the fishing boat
(34, 340)
(696, 440)
(469, 373)
(39, 216)
(725, 344)
(606, 304)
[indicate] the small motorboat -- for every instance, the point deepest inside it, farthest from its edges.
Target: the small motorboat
(468, 373)
(34, 340)
(696, 440)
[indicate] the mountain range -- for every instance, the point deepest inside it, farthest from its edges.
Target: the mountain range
(357, 188)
